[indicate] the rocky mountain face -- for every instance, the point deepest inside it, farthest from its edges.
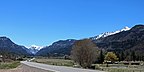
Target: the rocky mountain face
(8, 46)
(59, 48)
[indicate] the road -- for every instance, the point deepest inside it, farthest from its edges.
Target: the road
(56, 68)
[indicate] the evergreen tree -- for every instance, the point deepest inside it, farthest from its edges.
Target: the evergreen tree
(133, 56)
(119, 56)
(101, 57)
(122, 56)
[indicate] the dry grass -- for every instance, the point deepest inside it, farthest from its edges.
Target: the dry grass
(58, 62)
(123, 70)
(118, 68)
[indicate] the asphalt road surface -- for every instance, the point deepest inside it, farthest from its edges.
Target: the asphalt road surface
(56, 68)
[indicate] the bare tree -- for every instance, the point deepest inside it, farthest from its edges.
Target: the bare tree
(84, 52)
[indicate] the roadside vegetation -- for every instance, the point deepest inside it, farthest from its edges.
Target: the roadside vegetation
(103, 67)
(9, 65)
(119, 68)
(57, 62)
(9, 60)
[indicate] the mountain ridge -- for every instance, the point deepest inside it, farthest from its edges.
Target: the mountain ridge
(9, 46)
(105, 34)
(58, 48)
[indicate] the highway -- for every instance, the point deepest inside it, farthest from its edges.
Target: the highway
(57, 68)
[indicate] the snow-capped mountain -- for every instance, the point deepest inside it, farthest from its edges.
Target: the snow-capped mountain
(109, 33)
(34, 48)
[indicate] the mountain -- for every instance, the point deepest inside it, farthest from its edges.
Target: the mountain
(125, 40)
(133, 34)
(63, 47)
(109, 33)
(59, 48)
(34, 49)
(8, 46)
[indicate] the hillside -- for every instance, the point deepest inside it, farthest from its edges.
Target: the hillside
(125, 39)
(59, 48)
(7, 46)
(126, 42)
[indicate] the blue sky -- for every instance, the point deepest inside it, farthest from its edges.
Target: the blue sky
(41, 22)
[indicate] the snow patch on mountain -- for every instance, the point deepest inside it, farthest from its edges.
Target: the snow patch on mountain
(110, 33)
(34, 48)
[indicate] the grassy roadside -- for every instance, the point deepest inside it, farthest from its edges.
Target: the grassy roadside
(9, 65)
(123, 70)
(111, 68)
(57, 62)
(120, 68)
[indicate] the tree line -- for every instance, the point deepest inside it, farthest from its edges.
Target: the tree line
(7, 55)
